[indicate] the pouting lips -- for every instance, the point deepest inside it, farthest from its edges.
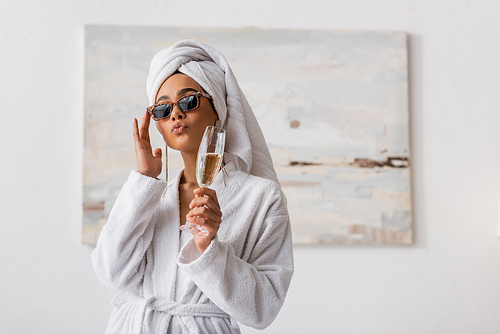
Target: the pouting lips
(178, 127)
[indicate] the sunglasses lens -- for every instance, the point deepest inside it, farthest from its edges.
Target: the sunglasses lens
(188, 103)
(162, 111)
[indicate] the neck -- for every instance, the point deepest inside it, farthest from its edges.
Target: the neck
(189, 176)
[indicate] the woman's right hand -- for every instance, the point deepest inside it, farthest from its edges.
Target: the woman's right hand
(148, 162)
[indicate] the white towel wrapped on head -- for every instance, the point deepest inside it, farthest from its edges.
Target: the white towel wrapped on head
(245, 143)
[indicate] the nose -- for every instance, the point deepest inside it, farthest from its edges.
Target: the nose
(177, 113)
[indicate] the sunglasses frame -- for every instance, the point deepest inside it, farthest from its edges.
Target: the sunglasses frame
(198, 94)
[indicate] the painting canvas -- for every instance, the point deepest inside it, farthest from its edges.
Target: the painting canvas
(333, 106)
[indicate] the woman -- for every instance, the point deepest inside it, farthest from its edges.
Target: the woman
(241, 270)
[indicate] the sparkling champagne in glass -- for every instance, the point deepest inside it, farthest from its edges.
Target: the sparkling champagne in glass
(208, 165)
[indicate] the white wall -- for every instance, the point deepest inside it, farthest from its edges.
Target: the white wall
(448, 282)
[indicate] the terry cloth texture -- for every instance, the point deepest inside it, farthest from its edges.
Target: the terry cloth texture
(243, 276)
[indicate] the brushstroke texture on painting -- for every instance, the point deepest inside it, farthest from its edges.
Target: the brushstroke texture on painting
(333, 107)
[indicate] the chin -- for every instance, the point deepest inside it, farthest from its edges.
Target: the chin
(178, 144)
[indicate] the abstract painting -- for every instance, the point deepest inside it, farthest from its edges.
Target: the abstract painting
(333, 106)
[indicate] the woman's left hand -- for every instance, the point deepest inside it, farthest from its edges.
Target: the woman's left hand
(205, 211)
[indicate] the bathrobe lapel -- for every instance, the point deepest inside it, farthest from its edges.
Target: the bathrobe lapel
(166, 234)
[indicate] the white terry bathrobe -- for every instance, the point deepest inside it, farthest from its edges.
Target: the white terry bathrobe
(244, 274)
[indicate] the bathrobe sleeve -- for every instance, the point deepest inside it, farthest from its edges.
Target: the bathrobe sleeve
(119, 258)
(252, 290)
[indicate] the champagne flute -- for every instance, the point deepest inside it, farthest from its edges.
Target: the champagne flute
(208, 164)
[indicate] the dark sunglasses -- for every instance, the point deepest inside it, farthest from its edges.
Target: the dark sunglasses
(186, 103)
